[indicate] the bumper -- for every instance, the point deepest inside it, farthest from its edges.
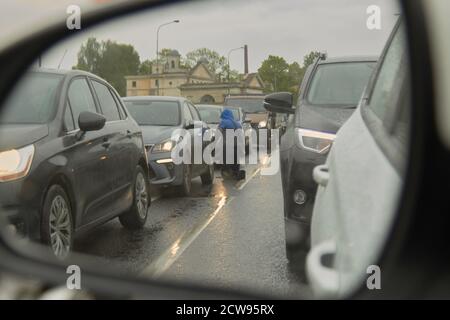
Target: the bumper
(19, 210)
(301, 176)
(163, 172)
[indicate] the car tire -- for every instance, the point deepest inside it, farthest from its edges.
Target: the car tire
(208, 176)
(186, 185)
(136, 217)
(57, 228)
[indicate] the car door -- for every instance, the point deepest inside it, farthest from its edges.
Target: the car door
(86, 153)
(360, 183)
(121, 160)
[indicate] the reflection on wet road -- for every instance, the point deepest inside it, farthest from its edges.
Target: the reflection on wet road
(230, 236)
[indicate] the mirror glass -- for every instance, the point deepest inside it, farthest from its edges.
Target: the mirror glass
(126, 197)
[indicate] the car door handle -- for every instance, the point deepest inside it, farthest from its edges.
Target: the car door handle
(129, 134)
(322, 276)
(321, 175)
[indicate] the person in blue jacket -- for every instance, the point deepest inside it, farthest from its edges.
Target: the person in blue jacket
(227, 122)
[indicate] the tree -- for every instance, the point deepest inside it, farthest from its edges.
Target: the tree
(216, 63)
(310, 58)
(145, 67)
(109, 60)
(274, 72)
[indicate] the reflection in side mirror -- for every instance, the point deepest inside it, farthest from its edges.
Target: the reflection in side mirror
(90, 121)
(280, 102)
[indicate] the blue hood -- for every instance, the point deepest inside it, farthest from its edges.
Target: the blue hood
(227, 120)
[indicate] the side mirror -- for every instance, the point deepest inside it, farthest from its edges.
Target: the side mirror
(90, 121)
(190, 124)
(280, 102)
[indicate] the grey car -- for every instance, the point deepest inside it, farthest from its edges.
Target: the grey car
(360, 183)
(158, 118)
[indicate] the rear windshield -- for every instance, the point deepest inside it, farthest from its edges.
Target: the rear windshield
(247, 105)
(33, 101)
(339, 83)
(210, 115)
(154, 113)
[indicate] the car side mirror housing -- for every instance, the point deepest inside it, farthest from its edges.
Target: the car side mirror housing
(190, 124)
(279, 102)
(90, 121)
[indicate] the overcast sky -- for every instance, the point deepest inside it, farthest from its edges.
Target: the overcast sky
(288, 28)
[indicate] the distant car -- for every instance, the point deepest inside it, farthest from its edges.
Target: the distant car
(211, 115)
(159, 117)
(74, 158)
(359, 186)
(329, 94)
(255, 113)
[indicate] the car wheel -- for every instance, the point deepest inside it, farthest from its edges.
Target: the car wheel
(208, 176)
(57, 222)
(135, 218)
(185, 188)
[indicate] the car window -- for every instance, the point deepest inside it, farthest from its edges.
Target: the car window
(69, 124)
(119, 105)
(107, 102)
(385, 92)
(210, 115)
(154, 112)
(339, 83)
(34, 101)
(187, 112)
(80, 98)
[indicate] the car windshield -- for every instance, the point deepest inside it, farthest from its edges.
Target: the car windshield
(339, 83)
(247, 105)
(33, 101)
(235, 113)
(210, 115)
(154, 113)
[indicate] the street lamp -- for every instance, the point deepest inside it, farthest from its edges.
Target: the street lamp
(228, 63)
(157, 49)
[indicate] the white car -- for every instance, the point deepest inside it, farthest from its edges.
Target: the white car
(359, 186)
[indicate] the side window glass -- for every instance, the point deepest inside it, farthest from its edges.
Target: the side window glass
(107, 102)
(385, 92)
(187, 113)
(119, 105)
(69, 124)
(80, 98)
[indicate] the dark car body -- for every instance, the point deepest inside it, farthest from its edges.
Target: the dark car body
(96, 168)
(319, 123)
(163, 172)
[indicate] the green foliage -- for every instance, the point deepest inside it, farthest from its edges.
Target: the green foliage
(279, 75)
(145, 67)
(109, 60)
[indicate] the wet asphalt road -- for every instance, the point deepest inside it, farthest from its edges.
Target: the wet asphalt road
(230, 235)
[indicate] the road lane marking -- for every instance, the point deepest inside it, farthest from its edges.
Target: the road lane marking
(165, 260)
(249, 179)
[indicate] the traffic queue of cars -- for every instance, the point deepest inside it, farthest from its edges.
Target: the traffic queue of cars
(358, 125)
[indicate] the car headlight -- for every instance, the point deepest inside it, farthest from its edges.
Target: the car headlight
(262, 124)
(165, 146)
(315, 141)
(15, 163)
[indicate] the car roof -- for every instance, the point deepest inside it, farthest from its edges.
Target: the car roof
(155, 98)
(65, 72)
(349, 59)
